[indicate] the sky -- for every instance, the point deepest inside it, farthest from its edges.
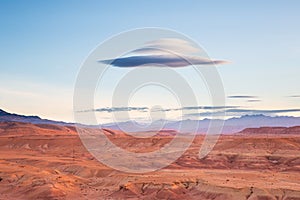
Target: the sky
(44, 43)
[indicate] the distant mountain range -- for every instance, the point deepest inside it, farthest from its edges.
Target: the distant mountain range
(231, 125)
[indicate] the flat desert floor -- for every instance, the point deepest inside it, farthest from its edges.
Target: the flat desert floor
(50, 162)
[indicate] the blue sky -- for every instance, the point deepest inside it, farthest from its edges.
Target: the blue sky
(43, 44)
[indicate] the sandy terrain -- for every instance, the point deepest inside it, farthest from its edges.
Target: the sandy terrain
(50, 162)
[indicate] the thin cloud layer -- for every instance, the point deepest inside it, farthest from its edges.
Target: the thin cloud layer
(254, 100)
(209, 107)
(240, 112)
(117, 109)
(261, 111)
(145, 109)
(242, 97)
(206, 111)
(167, 52)
(167, 45)
(294, 96)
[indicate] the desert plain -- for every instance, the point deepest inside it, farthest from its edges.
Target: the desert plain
(50, 162)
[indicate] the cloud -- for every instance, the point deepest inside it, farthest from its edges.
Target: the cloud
(261, 111)
(145, 109)
(199, 108)
(167, 45)
(161, 61)
(210, 107)
(240, 112)
(206, 111)
(254, 100)
(294, 96)
(242, 97)
(169, 52)
(117, 109)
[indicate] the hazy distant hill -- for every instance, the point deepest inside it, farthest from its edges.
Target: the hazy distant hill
(271, 130)
(231, 125)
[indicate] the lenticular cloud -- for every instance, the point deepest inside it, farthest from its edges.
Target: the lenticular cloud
(167, 52)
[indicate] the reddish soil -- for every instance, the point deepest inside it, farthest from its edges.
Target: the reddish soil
(50, 162)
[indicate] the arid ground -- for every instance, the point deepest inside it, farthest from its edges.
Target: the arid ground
(50, 162)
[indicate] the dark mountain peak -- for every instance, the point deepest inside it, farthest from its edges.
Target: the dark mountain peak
(11, 117)
(5, 116)
(2, 112)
